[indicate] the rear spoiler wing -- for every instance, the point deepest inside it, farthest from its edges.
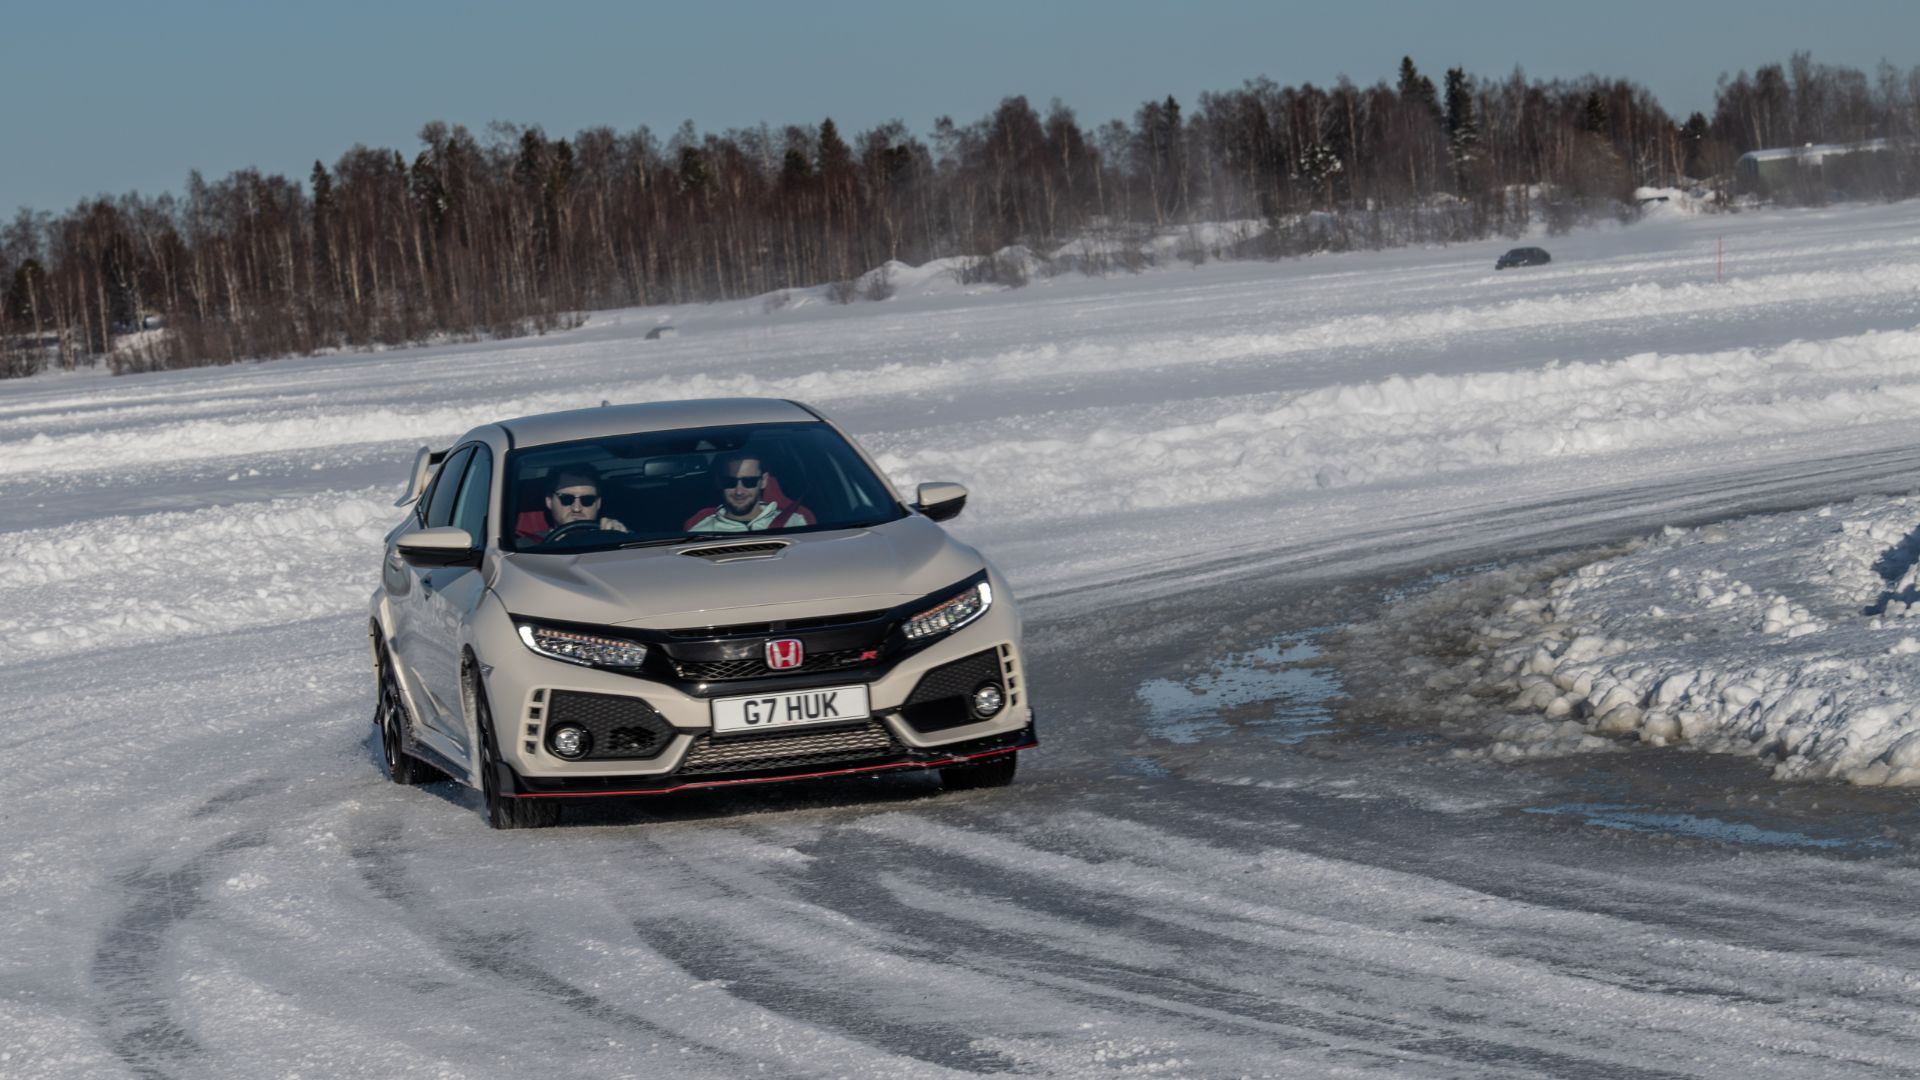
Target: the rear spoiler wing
(424, 459)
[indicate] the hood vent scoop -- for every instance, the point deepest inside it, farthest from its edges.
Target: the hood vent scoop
(765, 549)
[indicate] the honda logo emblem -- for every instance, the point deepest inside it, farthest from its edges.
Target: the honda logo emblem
(785, 654)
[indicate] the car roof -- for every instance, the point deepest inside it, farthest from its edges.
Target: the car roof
(554, 427)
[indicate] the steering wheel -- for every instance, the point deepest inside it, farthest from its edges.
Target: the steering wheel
(571, 526)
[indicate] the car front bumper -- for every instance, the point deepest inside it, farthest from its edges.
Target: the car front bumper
(897, 759)
(917, 704)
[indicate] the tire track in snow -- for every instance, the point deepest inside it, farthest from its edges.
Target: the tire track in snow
(1015, 950)
(722, 938)
(512, 957)
(136, 1011)
(1231, 985)
(498, 957)
(1184, 891)
(779, 984)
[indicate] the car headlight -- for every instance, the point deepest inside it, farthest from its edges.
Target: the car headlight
(951, 614)
(575, 647)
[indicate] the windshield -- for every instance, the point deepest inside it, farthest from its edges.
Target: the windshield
(660, 486)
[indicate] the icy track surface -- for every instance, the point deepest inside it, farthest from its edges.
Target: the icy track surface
(1199, 874)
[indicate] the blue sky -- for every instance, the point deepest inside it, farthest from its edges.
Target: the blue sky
(107, 97)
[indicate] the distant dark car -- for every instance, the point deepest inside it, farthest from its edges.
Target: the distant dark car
(1523, 257)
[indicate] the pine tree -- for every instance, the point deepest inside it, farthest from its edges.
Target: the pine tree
(1417, 90)
(322, 192)
(693, 171)
(835, 158)
(1693, 145)
(560, 174)
(1463, 133)
(25, 293)
(423, 184)
(1319, 166)
(795, 170)
(322, 225)
(530, 167)
(1176, 155)
(1593, 116)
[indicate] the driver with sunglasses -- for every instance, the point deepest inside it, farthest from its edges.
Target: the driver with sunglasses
(747, 503)
(573, 496)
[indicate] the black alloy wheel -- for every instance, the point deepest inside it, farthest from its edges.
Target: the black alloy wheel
(503, 811)
(390, 714)
(991, 773)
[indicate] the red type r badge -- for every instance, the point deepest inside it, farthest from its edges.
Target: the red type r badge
(785, 654)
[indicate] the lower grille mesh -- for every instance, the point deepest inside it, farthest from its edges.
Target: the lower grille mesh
(622, 727)
(943, 698)
(958, 678)
(710, 755)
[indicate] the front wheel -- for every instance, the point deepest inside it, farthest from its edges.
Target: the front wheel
(390, 715)
(504, 811)
(991, 773)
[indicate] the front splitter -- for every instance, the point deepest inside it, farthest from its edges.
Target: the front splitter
(527, 787)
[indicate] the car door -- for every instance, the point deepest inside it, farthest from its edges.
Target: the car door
(418, 646)
(449, 595)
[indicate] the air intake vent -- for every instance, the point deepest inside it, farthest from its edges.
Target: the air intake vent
(730, 552)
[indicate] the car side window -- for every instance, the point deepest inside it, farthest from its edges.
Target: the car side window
(470, 509)
(440, 499)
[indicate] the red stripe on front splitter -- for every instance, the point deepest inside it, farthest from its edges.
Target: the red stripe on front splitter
(776, 779)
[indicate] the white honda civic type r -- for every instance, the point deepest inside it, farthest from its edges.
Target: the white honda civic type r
(641, 599)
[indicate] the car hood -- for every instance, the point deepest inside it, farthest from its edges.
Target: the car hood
(816, 574)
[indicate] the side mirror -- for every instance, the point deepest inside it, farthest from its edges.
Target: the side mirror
(941, 502)
(446, 545)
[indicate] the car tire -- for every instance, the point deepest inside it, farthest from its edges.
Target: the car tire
(390, 716)
(504, 811)
(991, 773)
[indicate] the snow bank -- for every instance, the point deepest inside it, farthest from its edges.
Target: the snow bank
(1658, 202)
(48, 442)
(144, 577)
(1397, 428)
(148, 578)
(1789, 637)
(1262, 400)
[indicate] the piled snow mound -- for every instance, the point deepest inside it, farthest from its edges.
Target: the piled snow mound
(1659, 201)
(149, 578)
(1790, 637)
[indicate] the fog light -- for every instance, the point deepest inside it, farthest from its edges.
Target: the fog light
(988, 700)
(570, 742)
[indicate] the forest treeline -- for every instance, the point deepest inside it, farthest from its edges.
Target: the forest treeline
(512, 231)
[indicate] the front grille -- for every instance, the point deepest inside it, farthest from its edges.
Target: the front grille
(622, 727)
(755, 667)
(788, 751)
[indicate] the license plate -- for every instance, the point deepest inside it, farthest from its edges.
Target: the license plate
(796, 708)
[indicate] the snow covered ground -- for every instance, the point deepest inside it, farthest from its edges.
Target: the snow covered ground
(209, 878)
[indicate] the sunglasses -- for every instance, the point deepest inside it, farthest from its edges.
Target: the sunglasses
(742, 481)
(567, 498)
